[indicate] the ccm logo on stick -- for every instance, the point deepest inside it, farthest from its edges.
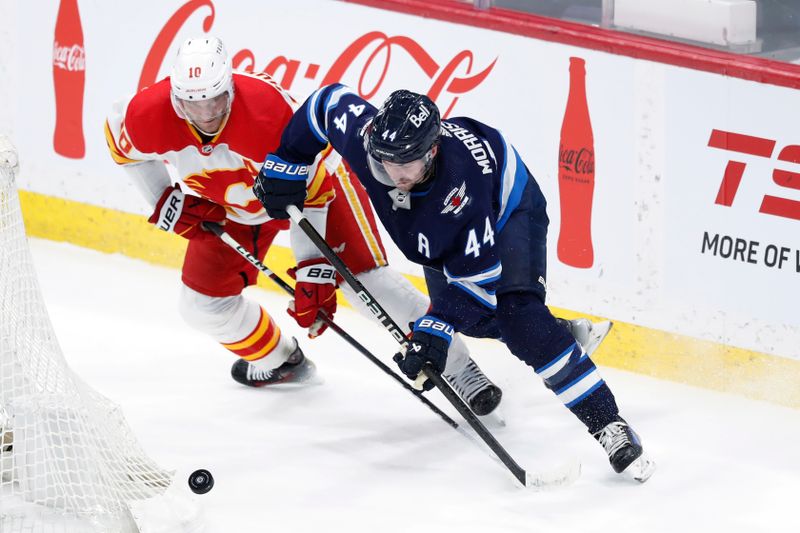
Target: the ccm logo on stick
(734, 171)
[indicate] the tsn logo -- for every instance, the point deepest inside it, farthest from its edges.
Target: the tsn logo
(734, 171)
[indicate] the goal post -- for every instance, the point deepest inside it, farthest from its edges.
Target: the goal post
(68, 459)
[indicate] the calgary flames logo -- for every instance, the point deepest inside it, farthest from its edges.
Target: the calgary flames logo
(231, 187)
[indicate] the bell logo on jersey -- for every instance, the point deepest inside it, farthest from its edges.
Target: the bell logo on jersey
(456, 200)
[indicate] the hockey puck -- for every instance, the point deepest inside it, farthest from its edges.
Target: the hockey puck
(201, 481)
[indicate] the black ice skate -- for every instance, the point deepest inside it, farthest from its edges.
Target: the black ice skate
(297, 369)
(625, 451)
(475, 389)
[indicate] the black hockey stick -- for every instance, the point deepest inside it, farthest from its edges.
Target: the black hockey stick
(217, 230)
(525, 478)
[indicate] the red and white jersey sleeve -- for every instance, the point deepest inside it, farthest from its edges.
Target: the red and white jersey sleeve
(146, 128)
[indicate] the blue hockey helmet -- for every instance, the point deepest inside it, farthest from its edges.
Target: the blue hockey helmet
(405, 129)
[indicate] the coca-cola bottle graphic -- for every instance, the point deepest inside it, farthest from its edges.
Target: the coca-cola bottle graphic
(576, 173)
(69, 78)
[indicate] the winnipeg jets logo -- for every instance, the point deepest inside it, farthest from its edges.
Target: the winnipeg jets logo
(456, 200)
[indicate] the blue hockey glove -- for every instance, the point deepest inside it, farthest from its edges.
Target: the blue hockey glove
(280, 184)
(430, 339)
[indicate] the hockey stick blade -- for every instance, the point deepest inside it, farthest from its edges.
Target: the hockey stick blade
(562, 476)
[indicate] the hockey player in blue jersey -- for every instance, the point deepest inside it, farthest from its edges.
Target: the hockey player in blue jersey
(456, 197)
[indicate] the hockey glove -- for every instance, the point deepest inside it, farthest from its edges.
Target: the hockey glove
(183, 214)
(314, 291)
(280, 184)
(430, 340)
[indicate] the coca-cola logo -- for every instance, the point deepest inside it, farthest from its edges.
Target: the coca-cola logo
(577, 161)
(69, 57)
(368, 59)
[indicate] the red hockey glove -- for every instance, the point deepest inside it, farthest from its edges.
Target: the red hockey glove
(314, 291)
(182, 214)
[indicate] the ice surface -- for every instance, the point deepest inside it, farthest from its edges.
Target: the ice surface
(357, 453)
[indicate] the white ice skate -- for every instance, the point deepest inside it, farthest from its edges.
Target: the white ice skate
(588, 334)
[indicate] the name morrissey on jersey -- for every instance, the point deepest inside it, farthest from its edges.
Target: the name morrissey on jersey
(475, 146)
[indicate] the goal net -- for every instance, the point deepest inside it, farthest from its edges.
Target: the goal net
(68, 460)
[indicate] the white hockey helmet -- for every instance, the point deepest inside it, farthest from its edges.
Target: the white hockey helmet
(202, 71)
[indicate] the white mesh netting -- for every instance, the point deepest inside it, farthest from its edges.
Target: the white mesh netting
(67, 456)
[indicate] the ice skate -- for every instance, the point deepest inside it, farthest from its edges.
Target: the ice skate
(475, 389)
(624, 450)
(588, 334)
(297, 369)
